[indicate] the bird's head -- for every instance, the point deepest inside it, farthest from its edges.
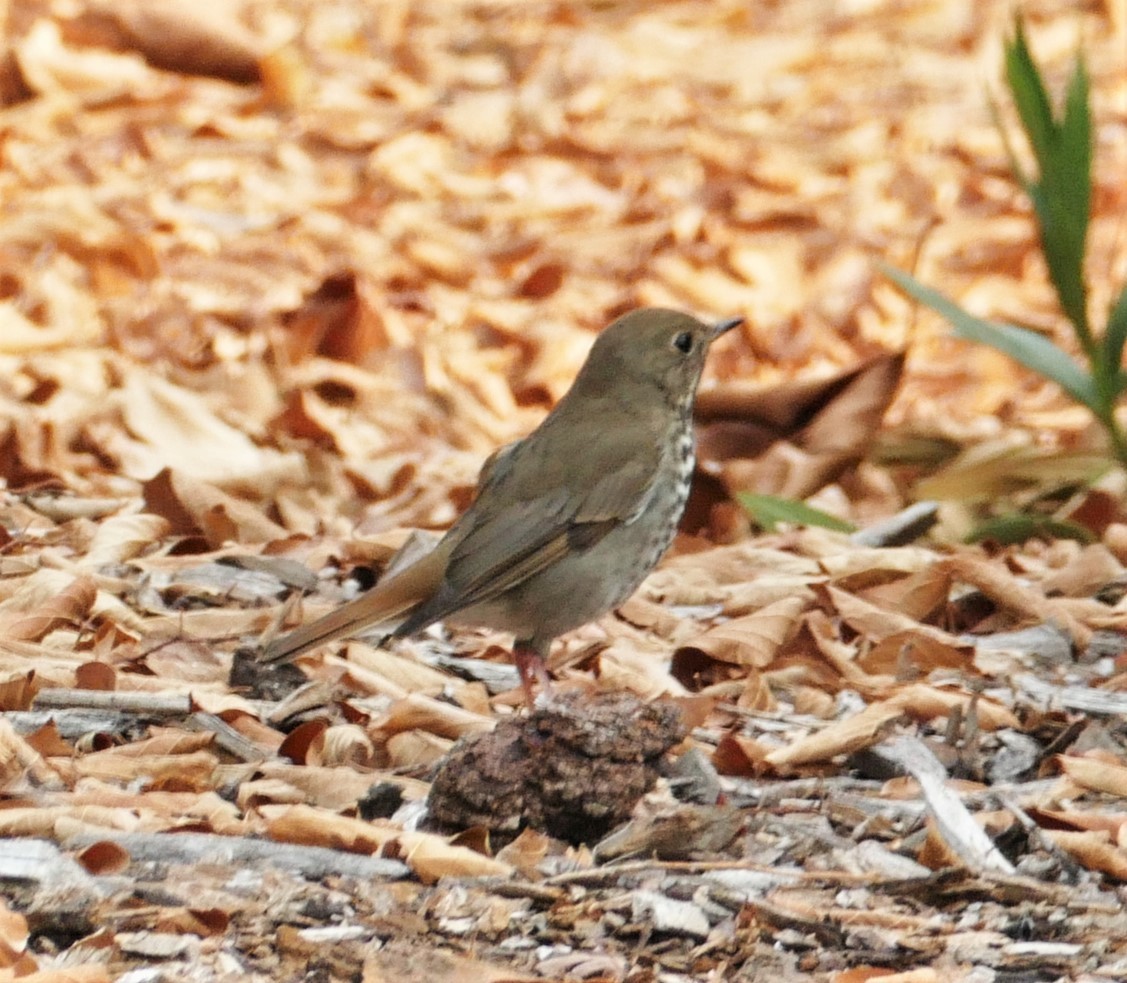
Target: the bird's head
(650, 348)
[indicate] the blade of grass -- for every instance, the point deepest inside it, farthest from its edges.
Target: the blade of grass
(1061, 194)
(1073, 171)
(768, 511)
(1016, 528)
(1029, 93)
(1027, 347)
(1114, 338)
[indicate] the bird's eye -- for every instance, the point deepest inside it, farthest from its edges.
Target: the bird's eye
(683, 342)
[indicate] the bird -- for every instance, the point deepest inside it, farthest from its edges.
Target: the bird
(566, 522)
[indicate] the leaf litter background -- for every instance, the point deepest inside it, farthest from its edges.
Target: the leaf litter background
(275, 278)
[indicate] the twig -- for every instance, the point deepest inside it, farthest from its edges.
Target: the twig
(153, 704)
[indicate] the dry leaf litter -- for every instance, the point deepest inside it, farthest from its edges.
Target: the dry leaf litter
(277, 277)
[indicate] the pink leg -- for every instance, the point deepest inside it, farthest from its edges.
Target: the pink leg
(530, 665)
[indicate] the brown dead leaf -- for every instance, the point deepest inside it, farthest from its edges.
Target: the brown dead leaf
(104, 857)
(170, 771)
(204, 922)
(410, 750)
(429, 856)
(67, 609)
(13, 942)
(1095, 774)
(913, 653)
(877, 623)
(173, 428)
(1112, 823)
(1094, 849)
(827, 426)
(18, 690)
(841, 737)
(1093, 568)
(525, 853)
(95, 676)
(926, 702)
(123, 537)
(195, 508)
(299, 740)
(921, 595)
(179, 36)
(1010, 594)
(753, 640)
(424, 712)
(740, 756)
(337, 320)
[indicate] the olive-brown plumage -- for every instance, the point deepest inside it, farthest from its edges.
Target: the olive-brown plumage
(569, 520)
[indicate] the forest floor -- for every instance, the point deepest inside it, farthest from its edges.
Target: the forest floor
(277, 277)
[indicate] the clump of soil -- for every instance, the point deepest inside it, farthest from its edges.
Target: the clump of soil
(573, 768)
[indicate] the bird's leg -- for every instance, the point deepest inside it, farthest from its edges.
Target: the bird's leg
(529, 658)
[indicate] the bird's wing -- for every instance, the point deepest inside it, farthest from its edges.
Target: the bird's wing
(548, 517)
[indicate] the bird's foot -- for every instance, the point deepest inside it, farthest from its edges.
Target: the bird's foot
(531, 669)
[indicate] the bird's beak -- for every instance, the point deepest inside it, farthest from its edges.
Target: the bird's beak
(720, 327)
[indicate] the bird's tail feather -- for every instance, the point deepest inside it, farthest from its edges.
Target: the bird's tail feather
(385, 604)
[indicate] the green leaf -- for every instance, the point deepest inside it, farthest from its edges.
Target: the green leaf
(1023, 178)
(1062, 193)
(1114, 338)
(768, 511)
(1032, 350)
(1029, 93)
(1072, 171)
(1019, 527)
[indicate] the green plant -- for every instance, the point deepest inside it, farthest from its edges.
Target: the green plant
(767, 511)
(1061, 194)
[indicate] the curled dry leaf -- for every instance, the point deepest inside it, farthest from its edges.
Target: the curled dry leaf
(50, 66)
(173, 771)
(337, 320)
(181, 36)
(13, 939)
(1095, 774)
(68, 608)
(921, 595)
(196, 508)
(400, 671)
(877, 623)
(429, 856)
(914, 653)
(41, 821)
(17, 690)
(342, 744)
(104, 857)
(299, 741)
(19, 759)
(201, 922)
(846, 736)
(424, 712)
(175, 428)
(638, 668)
(123, 537)
(740, 756)
(1093, 849)
(814, 429)
(526, 852)
(336, 788)
(753, 640)
(410, 750)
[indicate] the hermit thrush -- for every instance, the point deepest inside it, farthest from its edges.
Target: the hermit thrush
(568, 521)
